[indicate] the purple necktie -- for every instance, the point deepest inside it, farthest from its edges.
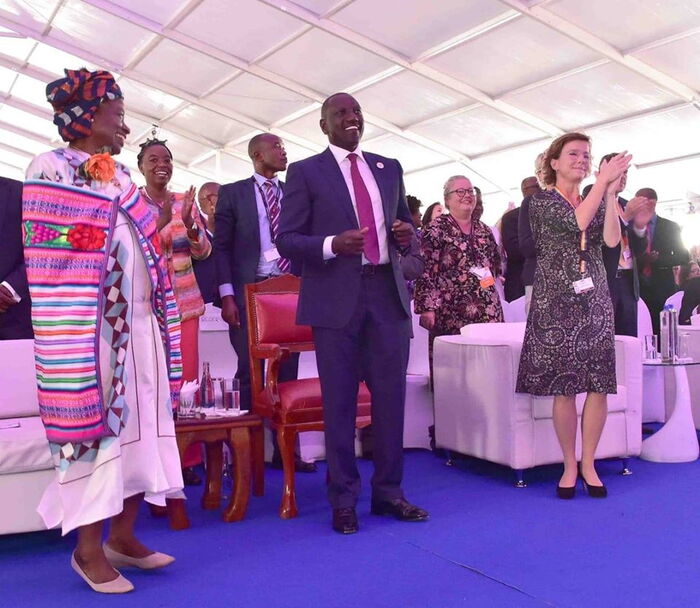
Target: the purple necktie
(364, 211)
(272, 203)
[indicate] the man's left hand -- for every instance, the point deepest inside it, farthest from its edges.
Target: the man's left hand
(6, 299)
(403, 232)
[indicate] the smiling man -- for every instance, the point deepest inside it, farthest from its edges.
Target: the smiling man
(344, 220)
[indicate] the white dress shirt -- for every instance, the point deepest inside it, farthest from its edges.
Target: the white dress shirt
(265, 267)
(341, 157)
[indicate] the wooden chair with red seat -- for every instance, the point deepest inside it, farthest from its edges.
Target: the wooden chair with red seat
(294, 406)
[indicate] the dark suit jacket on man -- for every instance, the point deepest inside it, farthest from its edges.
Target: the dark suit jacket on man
(236, 253)
(317, 205)
(656, 288)
(205, 273)
(514, 286)
(526, 242)
(360, 317)
(16, 323)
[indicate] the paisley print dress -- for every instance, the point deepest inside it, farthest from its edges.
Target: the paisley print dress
(569, 345)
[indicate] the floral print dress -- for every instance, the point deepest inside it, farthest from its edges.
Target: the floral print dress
(447, 286)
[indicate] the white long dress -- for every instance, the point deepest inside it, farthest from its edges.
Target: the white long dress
(94, 478)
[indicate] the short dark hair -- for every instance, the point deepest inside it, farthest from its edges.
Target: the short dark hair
(327, 101)
(648, 193)
(149, 143)
(549, 175)
(413, 203)
(255, 140)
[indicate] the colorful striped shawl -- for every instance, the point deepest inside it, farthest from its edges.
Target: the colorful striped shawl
(67, 236)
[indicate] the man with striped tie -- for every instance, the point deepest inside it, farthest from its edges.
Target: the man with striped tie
(247, 219)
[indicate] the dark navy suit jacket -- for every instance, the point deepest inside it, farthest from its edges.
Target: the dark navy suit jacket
(16, 322)
(237, 236)
(317, 204)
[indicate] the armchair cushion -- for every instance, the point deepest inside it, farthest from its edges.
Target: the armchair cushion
(24, 448)
(301, 401)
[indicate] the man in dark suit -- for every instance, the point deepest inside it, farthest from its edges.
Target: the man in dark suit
(205, 270)
(621, 261)
(345, 218)
(526, 241)
(246, 224)
(15, 305)
(514, 286)
(662, 249)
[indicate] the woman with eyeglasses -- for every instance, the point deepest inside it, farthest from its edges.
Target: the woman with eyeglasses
(461, 265)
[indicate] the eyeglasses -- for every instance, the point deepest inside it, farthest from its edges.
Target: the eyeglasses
(462, 192)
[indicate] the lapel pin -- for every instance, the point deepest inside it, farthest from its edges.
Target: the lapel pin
(380, 165)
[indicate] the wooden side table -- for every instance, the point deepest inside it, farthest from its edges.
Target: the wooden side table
(244, 436)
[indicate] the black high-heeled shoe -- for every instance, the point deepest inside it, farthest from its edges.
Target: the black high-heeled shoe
(593, 491)
(566, 493)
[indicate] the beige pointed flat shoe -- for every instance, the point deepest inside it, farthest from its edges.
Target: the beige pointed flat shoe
(118, 585)
(150, 562)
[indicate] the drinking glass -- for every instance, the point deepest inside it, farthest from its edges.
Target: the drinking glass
(218, 392)
(231, 391)
(186, 409)
(651, 347)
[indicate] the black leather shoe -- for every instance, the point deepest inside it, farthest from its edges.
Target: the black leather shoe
(567, 493)
(190, 477)
(299, 465)
(400, 508)
(594, 491)
(345, 520)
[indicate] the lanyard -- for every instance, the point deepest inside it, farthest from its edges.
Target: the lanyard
(267, 211)
(583, 241)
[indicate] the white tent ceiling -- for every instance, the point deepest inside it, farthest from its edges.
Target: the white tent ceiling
(451, 86)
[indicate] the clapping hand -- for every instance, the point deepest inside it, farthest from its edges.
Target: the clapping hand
(633, 207)
(187, 205)
(611, 170)
(644, 213)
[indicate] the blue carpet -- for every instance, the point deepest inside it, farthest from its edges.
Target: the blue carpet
(486, 544)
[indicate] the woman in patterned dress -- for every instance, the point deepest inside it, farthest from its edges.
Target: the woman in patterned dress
(461, 263)
(130, 352)
(569, 345)
(183, 238)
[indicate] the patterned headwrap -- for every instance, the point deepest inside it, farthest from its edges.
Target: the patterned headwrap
(75, 100)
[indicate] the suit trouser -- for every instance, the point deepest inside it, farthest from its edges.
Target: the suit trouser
(373, 345)
(239, 340)
(624, 303)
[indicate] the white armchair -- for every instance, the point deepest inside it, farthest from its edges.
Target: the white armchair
(26, 465)
(478, 412)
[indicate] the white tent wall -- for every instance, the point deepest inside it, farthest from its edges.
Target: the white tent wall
(473, 87)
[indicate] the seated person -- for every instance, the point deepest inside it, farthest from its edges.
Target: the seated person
(689, 282)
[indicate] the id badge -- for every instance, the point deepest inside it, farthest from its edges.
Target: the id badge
(583, 285)
(271, 255)
(626, 254)
(484, 275)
